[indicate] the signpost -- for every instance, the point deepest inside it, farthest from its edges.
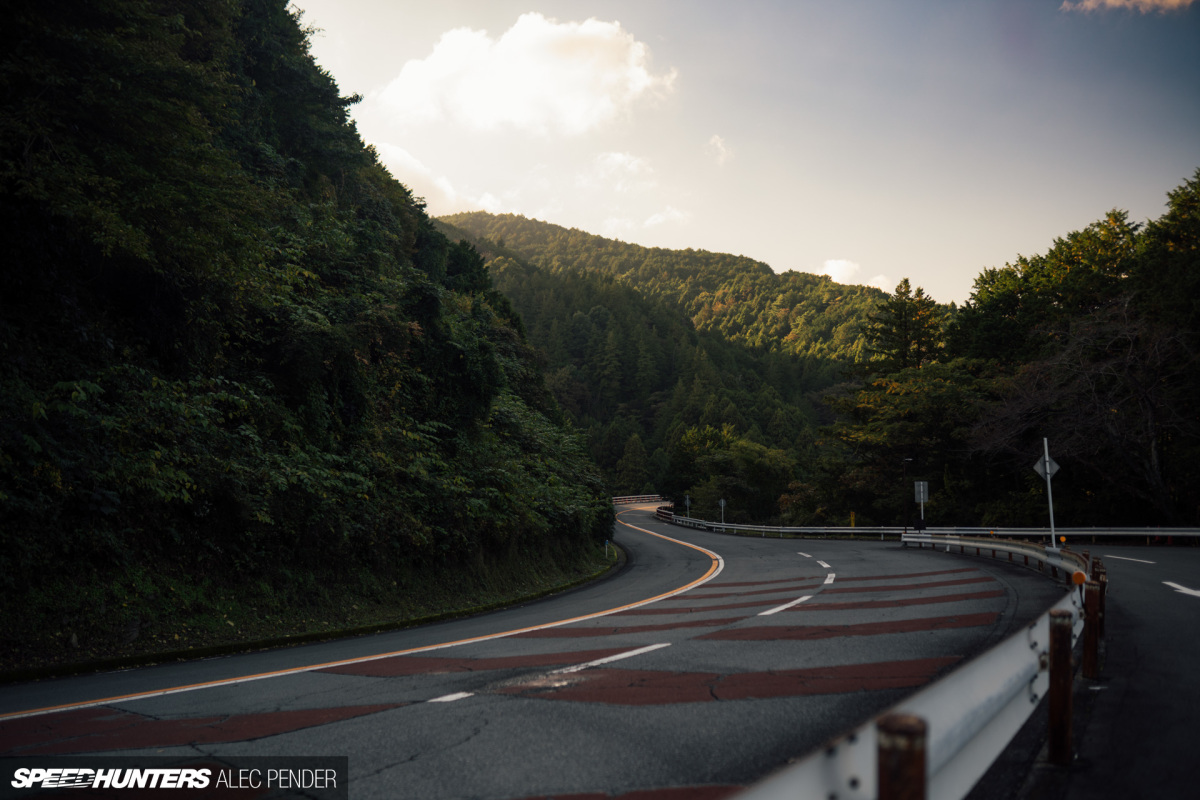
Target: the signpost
(722, 502)
(921, 490)
(1046, 467)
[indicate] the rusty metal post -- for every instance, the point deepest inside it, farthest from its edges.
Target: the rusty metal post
(1091, 630)
(901, 739)
(1059, 696)
(1102, 579)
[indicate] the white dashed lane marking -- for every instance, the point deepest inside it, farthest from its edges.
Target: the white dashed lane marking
(785, 606)
(450, 698)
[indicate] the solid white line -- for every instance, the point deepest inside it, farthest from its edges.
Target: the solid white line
(829, 578)
(610, 659)
(823, 564)
(450, 698)
(1123, 558)
(785, 606)
(1183, 589)
(806, 555)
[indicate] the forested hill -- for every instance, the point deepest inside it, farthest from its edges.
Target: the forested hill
(245, 381)
(655, 389)
(1092, 345)
(741, 299)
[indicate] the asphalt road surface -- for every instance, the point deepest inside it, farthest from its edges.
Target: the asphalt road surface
(1138, 725)
(707, 663)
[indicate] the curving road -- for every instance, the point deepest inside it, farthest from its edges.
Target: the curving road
(705, 664)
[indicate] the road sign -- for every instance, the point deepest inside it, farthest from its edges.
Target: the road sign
(921, 490)
(1046, 467)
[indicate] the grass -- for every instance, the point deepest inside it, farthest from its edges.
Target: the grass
(143, 617)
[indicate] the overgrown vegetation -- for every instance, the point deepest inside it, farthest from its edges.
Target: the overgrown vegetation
(239, 360)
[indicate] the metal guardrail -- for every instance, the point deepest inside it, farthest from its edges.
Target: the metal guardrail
(1056, 559)
(970, 714)
(665, 514)
(638, 498)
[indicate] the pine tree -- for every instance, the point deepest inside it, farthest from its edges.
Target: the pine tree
(905, 330)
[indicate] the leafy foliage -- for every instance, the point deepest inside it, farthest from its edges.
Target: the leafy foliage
(234, 346)
(1085, 346)
(642, 375)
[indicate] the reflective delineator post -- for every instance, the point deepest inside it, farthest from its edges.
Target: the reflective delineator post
(1091, 630)
(1102, 579)
(1059, 696)
(901, 757)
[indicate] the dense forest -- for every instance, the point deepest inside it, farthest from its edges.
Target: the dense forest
(1092, 345)
(240, 363)
(740, 299)
(847, 395)
(669, 363)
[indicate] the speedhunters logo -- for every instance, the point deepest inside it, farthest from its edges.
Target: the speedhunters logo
(316, 778)
(77, 778)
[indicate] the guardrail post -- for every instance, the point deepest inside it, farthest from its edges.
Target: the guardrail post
(1091, 630)
(1059, 696)
(901, 757)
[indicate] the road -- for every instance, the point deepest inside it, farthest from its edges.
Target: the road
(1138, 724)
(704, 665)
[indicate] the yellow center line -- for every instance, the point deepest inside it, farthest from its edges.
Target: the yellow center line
(714, 569)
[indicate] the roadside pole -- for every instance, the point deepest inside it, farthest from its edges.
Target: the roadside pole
(1046, 467)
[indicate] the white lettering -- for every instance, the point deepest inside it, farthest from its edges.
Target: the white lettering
(104, 778)
(21, 779)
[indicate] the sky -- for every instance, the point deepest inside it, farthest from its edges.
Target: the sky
(867, 140)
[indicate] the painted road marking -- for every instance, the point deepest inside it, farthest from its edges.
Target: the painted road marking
(1123, 558)
(806, 555)
(785, 606)
(450, 698)
(829, 578)
(714, 570)
(823, 564)
(764, 633)
(610, 659)
(1183, 589)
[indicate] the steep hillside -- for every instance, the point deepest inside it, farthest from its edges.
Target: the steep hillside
(243, 373)
(741, 299)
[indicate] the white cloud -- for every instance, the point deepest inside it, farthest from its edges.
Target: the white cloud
(437, 190)
(719, 150)
(541, 76)
(843, 271)
(440, 195)
(1144, 6)
(840, 269)
(882, 282)
(621, 172)
(668, 214)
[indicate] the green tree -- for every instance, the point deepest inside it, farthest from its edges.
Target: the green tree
(633, 470)
(905, 330)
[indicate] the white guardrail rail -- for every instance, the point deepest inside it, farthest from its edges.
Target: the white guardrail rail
(1073, 534)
